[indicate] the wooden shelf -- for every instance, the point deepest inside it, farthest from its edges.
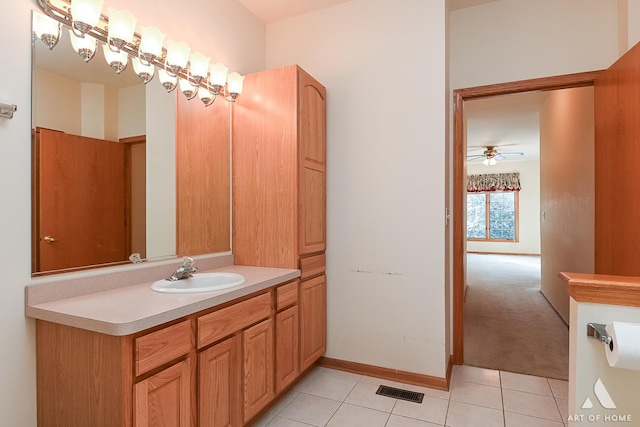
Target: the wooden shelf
(603, 289)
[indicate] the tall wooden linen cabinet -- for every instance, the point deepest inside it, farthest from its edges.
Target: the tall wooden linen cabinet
(279, 182)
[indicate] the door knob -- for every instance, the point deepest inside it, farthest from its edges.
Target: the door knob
(49, 239)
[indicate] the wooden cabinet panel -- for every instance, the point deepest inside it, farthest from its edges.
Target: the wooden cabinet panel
(286, 295)
(312, 159)
(312, 266)
(165, 398)
(312, 221)
(162, 346)
(202, 177)
(218, 376)
(257, 368)
(219, 324)
(287, 348)
(265, 174)
(84, 378)
(313, 320)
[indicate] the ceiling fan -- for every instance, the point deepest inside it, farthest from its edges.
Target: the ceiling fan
(491, 156)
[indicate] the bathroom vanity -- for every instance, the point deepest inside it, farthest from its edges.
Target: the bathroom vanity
(112, 352)
(130, 356)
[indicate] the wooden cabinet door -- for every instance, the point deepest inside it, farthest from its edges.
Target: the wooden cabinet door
(287, 350)
(219, 375)
(313, 320)
(164, 400)
(312, 159)
(257, 387)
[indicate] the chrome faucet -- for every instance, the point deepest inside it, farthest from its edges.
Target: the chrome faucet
(184, 271)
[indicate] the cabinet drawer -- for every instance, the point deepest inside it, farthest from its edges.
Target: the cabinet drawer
(312, 266)
(160, 347)
(221, 323)
(286, 295)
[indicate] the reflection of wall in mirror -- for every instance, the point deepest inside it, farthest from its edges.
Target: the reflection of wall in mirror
(88, 109)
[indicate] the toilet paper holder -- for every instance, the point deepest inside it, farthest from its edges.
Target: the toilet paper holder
(597, 331)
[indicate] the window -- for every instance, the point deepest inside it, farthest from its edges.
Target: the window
(492, 216)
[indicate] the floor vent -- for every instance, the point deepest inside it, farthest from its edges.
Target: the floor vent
(397, 393)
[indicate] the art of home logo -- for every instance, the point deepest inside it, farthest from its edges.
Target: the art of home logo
(605, 401)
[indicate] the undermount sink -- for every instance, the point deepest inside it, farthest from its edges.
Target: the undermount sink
(199, 282)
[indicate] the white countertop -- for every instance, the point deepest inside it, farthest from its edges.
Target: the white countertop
(130, 309)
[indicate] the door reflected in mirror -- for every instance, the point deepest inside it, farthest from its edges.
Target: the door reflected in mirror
(104, 165)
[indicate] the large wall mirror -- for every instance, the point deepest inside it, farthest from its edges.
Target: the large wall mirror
(104, 163)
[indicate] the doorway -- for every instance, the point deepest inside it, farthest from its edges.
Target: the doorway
(459, 196)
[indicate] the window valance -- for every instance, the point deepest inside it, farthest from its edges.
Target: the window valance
(493, 182)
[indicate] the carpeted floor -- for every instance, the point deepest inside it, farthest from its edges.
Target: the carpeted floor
(508, 324)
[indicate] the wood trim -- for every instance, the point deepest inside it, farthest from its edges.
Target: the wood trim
(139, 139)
(566, 81)
(501, 253)
(390, 374)
(460, 172)
(603, 289)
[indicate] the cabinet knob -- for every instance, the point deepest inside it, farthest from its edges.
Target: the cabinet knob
(49, 239)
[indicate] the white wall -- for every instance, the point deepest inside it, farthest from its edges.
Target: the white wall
(528, 213)
(227, 32)
(58, 101)
(510, 40)
(384, 66)
(131, 111)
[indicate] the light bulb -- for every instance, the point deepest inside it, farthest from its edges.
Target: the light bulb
(151, 40)
(46, 29)
(218, 74)
(199, 66)
(144, 71)
(187, 89)
(122, 25)
(206, 96)
(85, 14)
(177, 56)
(116, 60)
(234, 83)
(168, 81)
(84, 46)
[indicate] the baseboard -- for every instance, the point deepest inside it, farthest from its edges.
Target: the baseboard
(391, 374)
(554, 308)
(501, 253)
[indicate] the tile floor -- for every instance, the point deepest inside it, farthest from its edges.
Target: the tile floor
(477, 398)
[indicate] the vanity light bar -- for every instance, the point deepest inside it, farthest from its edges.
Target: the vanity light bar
(63, 16)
